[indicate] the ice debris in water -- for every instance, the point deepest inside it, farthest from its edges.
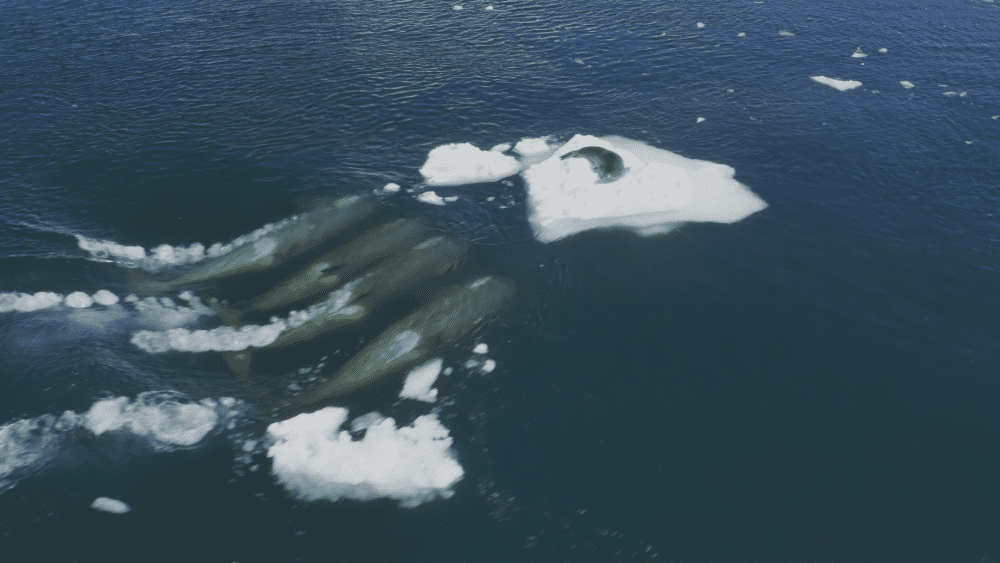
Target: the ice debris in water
(462, 163)
(906, 84)
(315, 459)
(419, 381)
(114, 506)
(431, 198)
(841, 85)
(858, 54)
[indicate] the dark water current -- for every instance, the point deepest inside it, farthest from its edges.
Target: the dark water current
(819, 382)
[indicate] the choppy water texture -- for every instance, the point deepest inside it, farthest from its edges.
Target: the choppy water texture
(817, 382)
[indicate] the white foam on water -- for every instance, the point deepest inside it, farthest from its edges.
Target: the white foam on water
(112, 505)
(841, 85)
(166, 422)
(105, 297)
(658, 191)
(858, 54)
(220, 339)
(462, 163)
(431, 198)
(906, 84)
(25, 303)
(314, 459)
(166, 255)
(419, 381)
(79, 300)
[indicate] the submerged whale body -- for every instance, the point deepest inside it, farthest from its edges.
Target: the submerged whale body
(300, 234)
(608, 165)
(454, 313)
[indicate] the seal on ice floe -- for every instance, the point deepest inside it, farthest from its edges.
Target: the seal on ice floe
(606, 164)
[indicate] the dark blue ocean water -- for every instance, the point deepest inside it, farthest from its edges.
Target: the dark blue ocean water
(819, 382)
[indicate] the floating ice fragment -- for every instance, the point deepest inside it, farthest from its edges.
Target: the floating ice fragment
(489, 7)
(786, 33)
(906, 84)
(741, 34)
(114, 506)
(462, 163)
(431, 198)
(700, 119)
(883, 50)
(456, 7)
(858, 54)
(481, 348)
(489, 366)
(841, 85)
(700, 25)
(391, 188)
(419, 381)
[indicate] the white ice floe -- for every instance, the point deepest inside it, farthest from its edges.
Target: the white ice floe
(391, 188)
(906, 84)
(112, 505)
(481, 348)
(419, 381)
(314, 459)
(699, 120)
(786, 33)
(160, 418)
(700, 25)
(658, 191)
(166, 255)
(463, 163)
(858, 54)
(488, 366)
(526, 147)
(841, 85)
(431, 198)
(741, 34)
(883, 50)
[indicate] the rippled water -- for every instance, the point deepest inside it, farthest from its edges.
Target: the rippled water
(815, 383)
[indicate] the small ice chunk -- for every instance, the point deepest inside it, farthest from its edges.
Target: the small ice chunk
(79, 300)
(481, 348)
(841, 85)
(526, 147)
(741, 34)
(858, 54)
(314, 459)
(502, 147)
(469, 364)
(451, 199)
(883, 50)
(105, 297)
(447, 371)
(419, 381)
(488, 366)
(995, 117)
(391, 188)
(462, 163)
(906, 84)
(700, 119)
(489, 7)
(786, 33)
(968, 142)
(366, 421)
(431, 198)
(456, 7)
(114, 506)
(700, 25)
(951, 94)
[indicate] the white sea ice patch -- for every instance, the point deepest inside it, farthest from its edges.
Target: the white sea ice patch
(315, 460)
(659, 190)
(106, 504)
(883, 50)
(488, 366)
(166, 255)
(481, 348)
(700, 25)
(906, 84)
(858, 54)
(391, 188)
(526, 147)
(741, 34)
(419, 381)
(786, 33)
(462, 163)
(841, 85)
(431, 198)
(699, 120)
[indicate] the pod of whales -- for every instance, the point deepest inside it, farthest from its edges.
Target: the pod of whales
(454, 313)
(608, 165)
(382, 264)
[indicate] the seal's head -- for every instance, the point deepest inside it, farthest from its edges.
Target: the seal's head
(606, 164)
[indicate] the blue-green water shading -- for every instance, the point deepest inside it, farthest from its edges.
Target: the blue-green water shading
(815, 383)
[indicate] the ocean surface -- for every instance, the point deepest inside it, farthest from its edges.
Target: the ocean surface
(819, 382)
